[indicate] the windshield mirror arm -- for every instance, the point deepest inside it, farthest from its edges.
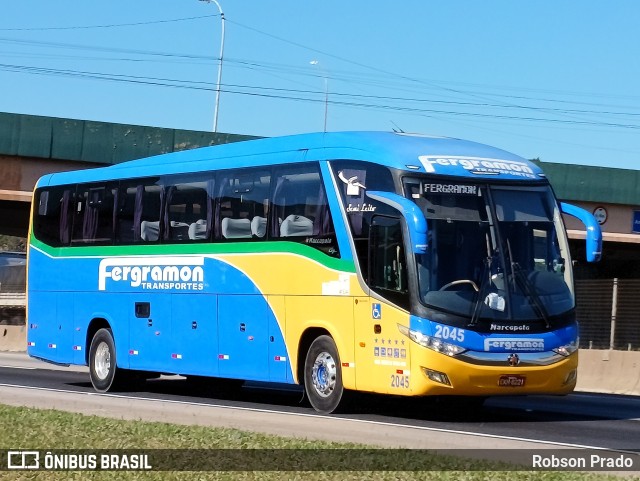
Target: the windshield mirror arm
(594, 232)
(415, 220)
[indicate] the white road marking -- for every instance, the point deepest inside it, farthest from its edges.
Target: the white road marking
(362, 421)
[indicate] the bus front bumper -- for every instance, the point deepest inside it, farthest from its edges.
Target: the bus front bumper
(499, 374)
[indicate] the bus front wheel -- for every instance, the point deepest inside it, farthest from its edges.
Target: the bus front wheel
(323, 376)
(102, 360)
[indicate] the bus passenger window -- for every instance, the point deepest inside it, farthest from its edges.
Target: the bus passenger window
(188, 211)
(243, 205)
(93, 214)
(150, 221)
(138, 216)
(301, 211)
(125, 215)
(52, 221)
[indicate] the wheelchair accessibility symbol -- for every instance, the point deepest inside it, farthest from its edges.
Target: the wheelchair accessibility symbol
(376, 312)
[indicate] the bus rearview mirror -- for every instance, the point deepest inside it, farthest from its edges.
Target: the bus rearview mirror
(594, 232)
(411, 213)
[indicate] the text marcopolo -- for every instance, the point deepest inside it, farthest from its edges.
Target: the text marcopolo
(161, 271)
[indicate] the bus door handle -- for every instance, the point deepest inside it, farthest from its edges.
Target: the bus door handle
(243, 327)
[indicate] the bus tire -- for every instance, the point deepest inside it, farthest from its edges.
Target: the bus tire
(323, 375)
(102, 361)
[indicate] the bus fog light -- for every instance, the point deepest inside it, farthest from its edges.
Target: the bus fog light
(571, 377)
(437, 376)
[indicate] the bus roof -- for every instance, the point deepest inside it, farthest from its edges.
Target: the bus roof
(412, 152)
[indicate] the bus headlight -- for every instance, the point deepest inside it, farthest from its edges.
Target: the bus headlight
(432, 343)
(567, 349)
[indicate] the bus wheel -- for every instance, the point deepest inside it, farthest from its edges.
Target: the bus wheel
(102, 360)
(322, 375)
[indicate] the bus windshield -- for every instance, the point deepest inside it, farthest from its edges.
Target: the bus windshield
(495, 253)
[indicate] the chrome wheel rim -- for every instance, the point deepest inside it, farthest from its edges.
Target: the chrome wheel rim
(324, 374)
(102, 361)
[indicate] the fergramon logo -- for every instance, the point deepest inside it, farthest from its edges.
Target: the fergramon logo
(513, 344)
(153, 273)
(23, 460)
(477, 165)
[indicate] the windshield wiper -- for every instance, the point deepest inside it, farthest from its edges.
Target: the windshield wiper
(486, 273)
(528, 289)
(486, 277)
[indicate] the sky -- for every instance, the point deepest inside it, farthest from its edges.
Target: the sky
(548, 79)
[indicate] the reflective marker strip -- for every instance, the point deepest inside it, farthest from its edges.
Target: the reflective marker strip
(176, 356)
(77, 348)
(31, 344)
(52, 346)
(133, 352)
(348, 364)
(223, 356)
(280, 358)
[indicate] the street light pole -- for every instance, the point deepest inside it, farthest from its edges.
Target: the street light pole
(215, 112)
(326, 91)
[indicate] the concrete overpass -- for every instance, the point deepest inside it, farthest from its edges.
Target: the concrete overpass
(31, 146)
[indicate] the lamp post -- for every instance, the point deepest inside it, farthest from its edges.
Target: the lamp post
(215, 112)
(326, 91)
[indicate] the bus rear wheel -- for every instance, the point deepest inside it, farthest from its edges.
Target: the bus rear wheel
(323, 375)
(102, 361)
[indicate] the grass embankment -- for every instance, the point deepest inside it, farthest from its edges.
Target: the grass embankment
(25, 428)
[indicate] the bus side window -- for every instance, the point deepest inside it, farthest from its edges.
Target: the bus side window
(138, 216)
(387, 262)
(301, 211)
(52, 221)
(125, 215)
(188, 210)
(242, 205)
(93, 214)
(150, 221)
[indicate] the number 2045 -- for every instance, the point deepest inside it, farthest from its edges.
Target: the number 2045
(452, 333)
(400, 381)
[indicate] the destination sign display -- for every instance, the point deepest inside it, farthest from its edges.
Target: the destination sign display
(457, 189)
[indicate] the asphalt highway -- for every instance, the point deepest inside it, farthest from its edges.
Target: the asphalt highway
(579, 420)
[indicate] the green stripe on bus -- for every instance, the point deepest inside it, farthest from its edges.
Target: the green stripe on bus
(199, 248)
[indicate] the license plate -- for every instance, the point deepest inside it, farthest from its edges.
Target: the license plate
(511, 380)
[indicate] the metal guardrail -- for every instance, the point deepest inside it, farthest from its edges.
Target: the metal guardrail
(12, 295)
(13, 299)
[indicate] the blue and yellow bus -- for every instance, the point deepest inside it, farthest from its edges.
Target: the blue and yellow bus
(368, 261)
